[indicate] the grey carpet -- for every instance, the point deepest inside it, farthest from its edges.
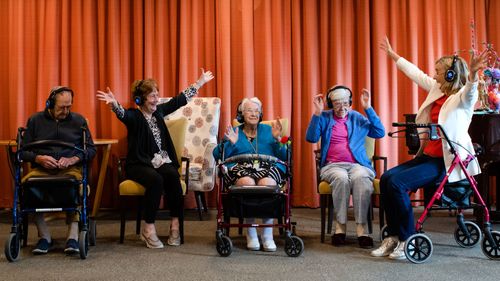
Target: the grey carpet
(197, 259)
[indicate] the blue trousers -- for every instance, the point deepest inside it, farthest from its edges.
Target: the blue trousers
(395, 184)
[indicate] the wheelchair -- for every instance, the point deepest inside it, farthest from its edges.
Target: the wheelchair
(450, 196)
(255, 202)
(53, 193)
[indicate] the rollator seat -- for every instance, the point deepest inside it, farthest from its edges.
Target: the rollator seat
(254, 189)
(52, 179)
(455, 195)
(51, 192)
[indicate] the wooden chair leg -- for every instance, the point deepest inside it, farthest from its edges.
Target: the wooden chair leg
(330, 214)
(139, 216)
(370, 216)
(123, 212)
(199, 203)
(381, 217)
(322, 205)
(181, 222)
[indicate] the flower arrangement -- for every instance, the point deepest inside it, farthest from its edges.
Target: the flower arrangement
(492, 81)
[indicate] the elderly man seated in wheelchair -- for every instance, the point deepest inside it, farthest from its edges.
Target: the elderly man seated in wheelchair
(57, 123)
(253, 137)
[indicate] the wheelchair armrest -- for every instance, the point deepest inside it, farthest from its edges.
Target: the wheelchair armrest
(254, 189)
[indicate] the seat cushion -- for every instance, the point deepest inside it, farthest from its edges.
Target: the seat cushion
(132, 188)
(324, 187)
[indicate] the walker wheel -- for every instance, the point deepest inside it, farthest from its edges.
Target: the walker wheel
(83, 243)
(418, 248)
(294, 246)
(489, 249)
(92, 232)
(12, 247)
(468, 241)
(384, 233)
(224, 246)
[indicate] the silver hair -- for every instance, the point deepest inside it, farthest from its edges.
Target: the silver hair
(254, 100)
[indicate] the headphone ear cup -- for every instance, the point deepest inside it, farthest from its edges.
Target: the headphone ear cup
(138, 100)
(239, 117)
(450, 75)
(329, 103)
(48, 104)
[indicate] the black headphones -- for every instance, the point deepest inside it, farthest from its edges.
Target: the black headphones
(329, 102)
(451, 74)
(138, 99)
(51, 100)
(239, 114)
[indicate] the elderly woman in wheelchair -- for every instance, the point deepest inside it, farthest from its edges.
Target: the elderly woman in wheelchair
(253, 137)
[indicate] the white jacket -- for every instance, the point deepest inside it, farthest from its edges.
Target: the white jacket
(455, 117)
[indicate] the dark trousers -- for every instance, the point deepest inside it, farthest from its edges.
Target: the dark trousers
(156, 181)
(395, 184)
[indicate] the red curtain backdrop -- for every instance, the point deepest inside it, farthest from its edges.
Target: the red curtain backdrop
(282, 51)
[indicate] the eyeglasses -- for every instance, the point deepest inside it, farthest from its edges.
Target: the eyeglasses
(255, 111)
(339, 104)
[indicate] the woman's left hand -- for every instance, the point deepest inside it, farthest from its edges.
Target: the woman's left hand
(204, 78)
(366, 99)
(277, 129)
(477, 63)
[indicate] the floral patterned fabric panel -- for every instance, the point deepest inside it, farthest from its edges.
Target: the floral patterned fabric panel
(201, 137)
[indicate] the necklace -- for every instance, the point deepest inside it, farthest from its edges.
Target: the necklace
(249, 139)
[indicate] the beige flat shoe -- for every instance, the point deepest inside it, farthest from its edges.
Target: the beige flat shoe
(152, 241)
(174, 238)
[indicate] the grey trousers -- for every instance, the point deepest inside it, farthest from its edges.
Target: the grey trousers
(347, 178)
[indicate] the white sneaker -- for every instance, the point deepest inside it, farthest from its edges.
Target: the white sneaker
(399, 252)
(388, 245)
(253, 243)
(268, 245)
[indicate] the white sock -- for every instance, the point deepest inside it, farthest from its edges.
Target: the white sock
(360, 229)
(41, 225)
(267, 232)
(73, 231)
(340, 227)
(251, 231)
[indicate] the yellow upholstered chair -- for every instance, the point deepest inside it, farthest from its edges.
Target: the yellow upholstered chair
(130, 189)
(325, 191)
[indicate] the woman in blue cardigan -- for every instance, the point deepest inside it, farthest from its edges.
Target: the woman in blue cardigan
(252, 137)
(344, 163)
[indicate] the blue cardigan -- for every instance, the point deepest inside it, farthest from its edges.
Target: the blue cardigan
(266, 144)
(358, 127)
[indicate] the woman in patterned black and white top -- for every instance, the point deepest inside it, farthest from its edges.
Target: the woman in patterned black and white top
(151, 157)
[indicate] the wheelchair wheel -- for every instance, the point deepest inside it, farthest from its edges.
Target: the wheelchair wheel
(418, 248)
(468, 241)
(490, 250)
(294, 246)
(384, 233)
(83, 243)
(224, 246)
(92, 232)
(13, 247)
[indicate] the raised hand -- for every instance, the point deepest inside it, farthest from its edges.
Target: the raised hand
(477, 63)
(386, 47)
(277, 129)
(319, 104)
(366, 99)
(107, 96)
(231, 134)
(204, 78)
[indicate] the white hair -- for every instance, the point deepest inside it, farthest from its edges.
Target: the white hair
(254, 100)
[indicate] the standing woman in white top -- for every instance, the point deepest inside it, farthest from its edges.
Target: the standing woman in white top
(450, 103)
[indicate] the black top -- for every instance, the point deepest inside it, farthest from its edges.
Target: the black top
(141, 142)
(42, 126)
